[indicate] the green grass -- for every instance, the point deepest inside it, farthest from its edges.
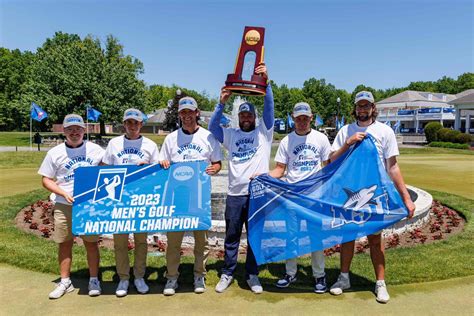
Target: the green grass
(446, 259)
(19, 138)
(453, 173)
(434, 151)
(438, 170)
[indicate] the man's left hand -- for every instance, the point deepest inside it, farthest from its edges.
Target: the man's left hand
(212, 169)
(262, 70)
(411, 207)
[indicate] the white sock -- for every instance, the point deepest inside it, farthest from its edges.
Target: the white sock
(345, 275)
(66, 280)
(380, 282)
(93, 278)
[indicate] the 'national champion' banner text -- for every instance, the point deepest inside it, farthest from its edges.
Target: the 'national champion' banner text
(135, 199)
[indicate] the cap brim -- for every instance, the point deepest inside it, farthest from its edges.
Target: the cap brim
(366, 99)
(133, 118)
(74, 124)
(187, 107)
(303, 113)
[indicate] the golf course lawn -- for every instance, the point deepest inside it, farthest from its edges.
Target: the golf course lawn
(26, 291)
(452, 173)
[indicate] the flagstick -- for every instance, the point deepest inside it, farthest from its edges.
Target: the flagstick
(31, 141)
(87, 124)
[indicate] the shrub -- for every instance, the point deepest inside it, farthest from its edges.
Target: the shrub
(431, 131)
(463, 138)
(448, 135)
(449, 145)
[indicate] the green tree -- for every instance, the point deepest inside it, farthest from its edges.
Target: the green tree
(13, 66)
(69, 72)
(465, 82)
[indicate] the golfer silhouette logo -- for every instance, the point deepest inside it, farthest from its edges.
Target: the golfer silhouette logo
(109, 184)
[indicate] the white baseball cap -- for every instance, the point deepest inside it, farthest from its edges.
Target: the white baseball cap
(187, 103)
(73, 120)
(302, 108)
(364, 95)
(133, 114)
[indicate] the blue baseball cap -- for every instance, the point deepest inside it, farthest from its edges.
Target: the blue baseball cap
(133, 114)
(247, 107)
(73, 120)
(302, 108)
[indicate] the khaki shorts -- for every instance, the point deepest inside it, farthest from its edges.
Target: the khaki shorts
(63, 225)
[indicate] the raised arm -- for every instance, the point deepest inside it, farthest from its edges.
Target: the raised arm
(268, 104)
(215, 122)
(269, 108)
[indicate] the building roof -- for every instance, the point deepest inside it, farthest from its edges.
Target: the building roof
(465, 97)
(413, 96)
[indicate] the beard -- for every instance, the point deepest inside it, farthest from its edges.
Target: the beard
(363, 117)
(247, 127)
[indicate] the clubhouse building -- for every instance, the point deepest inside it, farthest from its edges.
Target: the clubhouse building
(410, 111)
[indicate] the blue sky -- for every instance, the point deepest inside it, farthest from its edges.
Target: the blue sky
(382, 44)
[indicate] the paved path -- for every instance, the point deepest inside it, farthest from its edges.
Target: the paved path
(21, 148)
(24, 292)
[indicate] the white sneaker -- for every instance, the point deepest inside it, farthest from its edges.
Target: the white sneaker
(254, 284)
(141, 286)
(60, 290)
(122, 288)
(94, 287)
(341, 284)
(170, 287)
(224, 283)
(381, 292)
(199, 285)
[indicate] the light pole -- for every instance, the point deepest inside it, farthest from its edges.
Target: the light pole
(178, 121)
(338, 100)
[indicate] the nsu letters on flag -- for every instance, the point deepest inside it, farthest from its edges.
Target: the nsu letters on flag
(134, 199)
(350, 198)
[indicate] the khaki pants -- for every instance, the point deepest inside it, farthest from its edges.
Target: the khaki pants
(173, 253)
(63, 225)
(122, 260)
(317, 265)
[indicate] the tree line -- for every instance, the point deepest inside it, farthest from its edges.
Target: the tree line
(68, 72)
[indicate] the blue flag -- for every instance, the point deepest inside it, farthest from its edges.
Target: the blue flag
(37, 113)
(93, 114)
(337, 122)
(318, 121)
(145, 118)
(396, 127)
(224, 120)
(348, 199)
(291, 123)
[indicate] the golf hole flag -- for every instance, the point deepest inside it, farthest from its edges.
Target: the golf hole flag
(135, 199)
(350, 198)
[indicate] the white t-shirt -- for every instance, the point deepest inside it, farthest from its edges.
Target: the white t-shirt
(200, 146)
(303, 155)
(123, 151)
(61, 162)
(386, 141)
(249, 153)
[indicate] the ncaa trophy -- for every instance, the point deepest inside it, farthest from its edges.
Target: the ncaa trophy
(244, 80)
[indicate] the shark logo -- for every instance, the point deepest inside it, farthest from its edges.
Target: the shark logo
(359, 207)
(359, 199)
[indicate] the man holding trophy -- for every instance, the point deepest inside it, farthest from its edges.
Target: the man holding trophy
(249, 149)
